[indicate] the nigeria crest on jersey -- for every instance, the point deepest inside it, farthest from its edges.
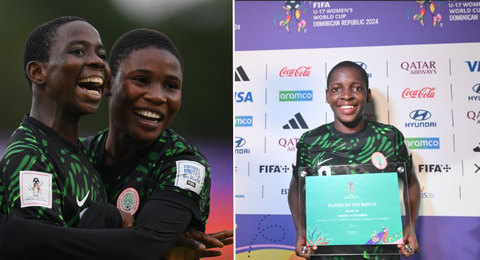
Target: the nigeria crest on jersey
(128, 201)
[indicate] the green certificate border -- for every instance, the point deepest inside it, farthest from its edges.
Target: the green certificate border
(353, 209)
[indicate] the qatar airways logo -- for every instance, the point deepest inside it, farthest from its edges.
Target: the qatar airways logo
(426, 92)
(303, 71)
(419, 67)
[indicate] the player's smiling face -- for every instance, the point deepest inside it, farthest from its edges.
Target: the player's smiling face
(146, 94)
(77, 69)
(347, 96)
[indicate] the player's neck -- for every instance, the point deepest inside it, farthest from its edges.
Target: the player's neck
(65, 125)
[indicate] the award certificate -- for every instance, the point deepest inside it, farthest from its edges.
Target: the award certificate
(353, 209)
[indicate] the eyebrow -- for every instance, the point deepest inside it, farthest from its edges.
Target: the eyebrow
(83, 42)
(172, 77)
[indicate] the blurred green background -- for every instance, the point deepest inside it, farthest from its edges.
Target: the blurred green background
(201, 30)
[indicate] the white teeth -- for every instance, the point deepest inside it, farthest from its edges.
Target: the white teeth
(95, 81)
(346, 107)
(148, 114)
(93, 92)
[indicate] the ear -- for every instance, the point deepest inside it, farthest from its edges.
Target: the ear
(108, 88)
(369, 96)
(326, 96)
(36, 72)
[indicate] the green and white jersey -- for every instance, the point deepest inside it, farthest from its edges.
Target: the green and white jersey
(45, 177)
(168, 169)
(325, 146)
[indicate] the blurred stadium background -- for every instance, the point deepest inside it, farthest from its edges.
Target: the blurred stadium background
(202, 30)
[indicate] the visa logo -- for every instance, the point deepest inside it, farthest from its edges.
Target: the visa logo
(243, 97)
(473, 65)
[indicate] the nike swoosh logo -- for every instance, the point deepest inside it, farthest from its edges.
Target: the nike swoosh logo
(80, 203)
(326, 160)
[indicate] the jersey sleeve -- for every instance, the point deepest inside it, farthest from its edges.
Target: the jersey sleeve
(303, 156)
(30, 189)
(188, 176)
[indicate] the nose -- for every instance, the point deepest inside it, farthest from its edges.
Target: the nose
(156, 94)
(346, 94)
(95, 61)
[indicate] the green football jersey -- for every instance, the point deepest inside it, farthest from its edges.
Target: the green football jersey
(325, 146)
(170, 168)
(46, 177)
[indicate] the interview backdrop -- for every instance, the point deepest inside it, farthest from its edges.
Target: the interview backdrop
(423, 64)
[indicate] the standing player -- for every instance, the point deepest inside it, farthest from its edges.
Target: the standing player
(170, 184)
(350, 139)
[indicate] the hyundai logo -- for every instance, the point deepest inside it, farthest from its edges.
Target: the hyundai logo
(476, 88)
(239, 142)
(420, 115)
(362, 64)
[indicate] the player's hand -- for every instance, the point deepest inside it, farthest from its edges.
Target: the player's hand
(192, 245)
(127, 220)
(300, 244)
(225, 236)
(410, 240)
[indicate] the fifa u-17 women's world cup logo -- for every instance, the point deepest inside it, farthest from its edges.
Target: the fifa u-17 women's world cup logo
(351, 186)
(295, 9)
(424, 6)
(35, 186)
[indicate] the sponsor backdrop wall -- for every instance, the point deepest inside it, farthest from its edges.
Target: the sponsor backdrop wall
(423, 63)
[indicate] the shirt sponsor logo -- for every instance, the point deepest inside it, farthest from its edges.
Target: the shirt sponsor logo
(421, 116)
(35, 189)
(129, 201)
(434, 168)
(190, 176)
(423, 143)
(426, 92)
(243, 97)
(273, 169)
(303, 71)
(243, 121)
(240, 142)
(295, 95)
(419, 67)
(473, 66)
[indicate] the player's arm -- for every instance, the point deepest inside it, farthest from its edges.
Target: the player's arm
(30, 172)
(412, 195)
(158, 226)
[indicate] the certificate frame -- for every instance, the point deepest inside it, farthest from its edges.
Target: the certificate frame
(338, 221)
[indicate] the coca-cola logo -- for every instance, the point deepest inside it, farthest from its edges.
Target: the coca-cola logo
(303, 71)
(426, 92)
